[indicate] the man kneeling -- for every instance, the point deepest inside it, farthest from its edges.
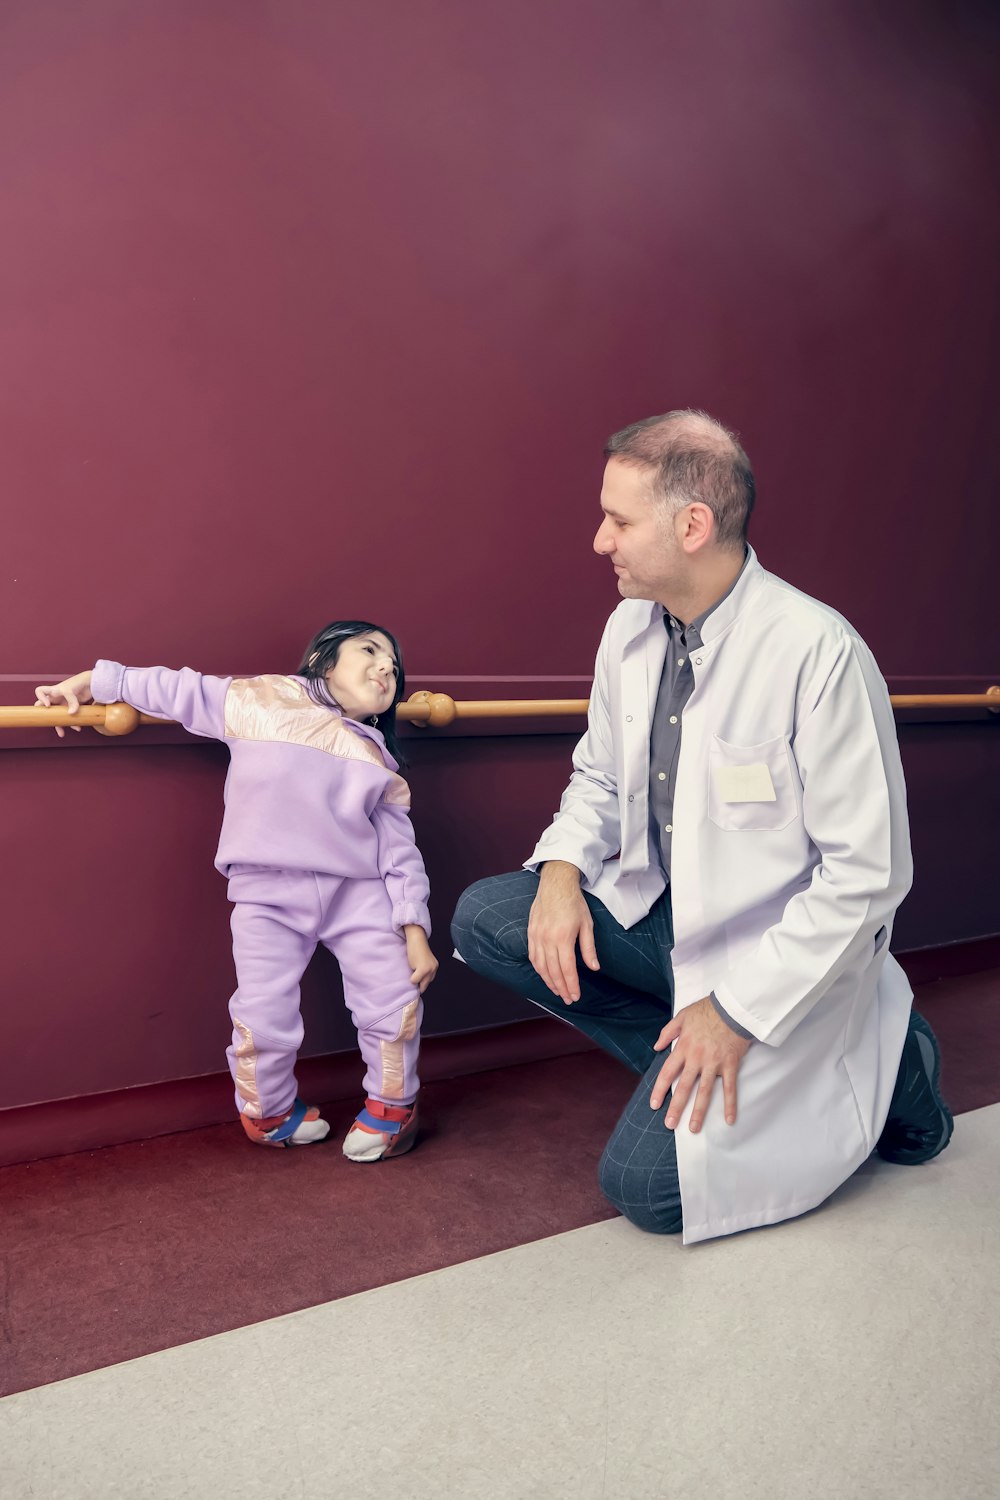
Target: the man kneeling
(723, 872)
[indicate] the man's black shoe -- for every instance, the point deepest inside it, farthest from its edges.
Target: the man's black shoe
(920, 1123)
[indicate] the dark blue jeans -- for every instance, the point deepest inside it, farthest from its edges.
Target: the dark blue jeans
(623, 1008)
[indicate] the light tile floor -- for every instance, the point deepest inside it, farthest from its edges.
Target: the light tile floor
(851, 1354)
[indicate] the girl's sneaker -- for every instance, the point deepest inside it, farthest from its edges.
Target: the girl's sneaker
(381, 1130)
(301, 1126)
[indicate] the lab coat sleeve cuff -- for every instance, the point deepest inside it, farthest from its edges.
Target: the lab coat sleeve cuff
(733, 1025)
(544, 855)
(738, 1016)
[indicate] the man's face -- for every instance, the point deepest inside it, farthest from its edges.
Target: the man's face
(636, 536)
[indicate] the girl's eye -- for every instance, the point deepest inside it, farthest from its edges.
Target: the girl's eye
(367, 646)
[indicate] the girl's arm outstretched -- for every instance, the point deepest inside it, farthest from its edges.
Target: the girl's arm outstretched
(195, 701)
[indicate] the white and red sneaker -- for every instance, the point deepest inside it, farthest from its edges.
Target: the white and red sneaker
(302, 1126)
(380, 1131)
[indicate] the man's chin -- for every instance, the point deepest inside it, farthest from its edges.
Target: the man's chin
(629, 589)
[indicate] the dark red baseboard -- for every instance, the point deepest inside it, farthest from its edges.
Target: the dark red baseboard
(952, 960)
(62, 1126)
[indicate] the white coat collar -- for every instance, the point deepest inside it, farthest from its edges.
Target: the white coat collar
(726, 613)
(648, 612)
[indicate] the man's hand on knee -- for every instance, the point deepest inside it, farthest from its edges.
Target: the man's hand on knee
(704, 1049)
(559, 919)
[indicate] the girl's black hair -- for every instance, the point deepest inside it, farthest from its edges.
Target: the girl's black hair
(321, 654)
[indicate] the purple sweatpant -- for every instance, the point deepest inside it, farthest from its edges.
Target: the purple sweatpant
(279, 918)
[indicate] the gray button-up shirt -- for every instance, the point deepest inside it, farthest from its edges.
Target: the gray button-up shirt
(676, 687)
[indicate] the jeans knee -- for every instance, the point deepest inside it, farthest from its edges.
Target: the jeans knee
(482, 932)
(459, 922)
(464, 920)
(649, 1200)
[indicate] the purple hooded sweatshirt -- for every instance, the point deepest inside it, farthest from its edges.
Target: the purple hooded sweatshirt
(307, 789)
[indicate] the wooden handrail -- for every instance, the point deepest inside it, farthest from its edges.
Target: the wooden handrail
(424, 708)
(988, 700)
(442, 710)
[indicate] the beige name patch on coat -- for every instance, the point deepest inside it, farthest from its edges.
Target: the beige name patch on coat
(744, 783)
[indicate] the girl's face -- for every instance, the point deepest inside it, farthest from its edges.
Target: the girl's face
(363, 679)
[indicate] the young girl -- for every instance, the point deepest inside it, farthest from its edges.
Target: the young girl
(318, 848)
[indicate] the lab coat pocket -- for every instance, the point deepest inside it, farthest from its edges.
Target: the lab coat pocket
(751, 788)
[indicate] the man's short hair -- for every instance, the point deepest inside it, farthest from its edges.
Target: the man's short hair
(694, 458)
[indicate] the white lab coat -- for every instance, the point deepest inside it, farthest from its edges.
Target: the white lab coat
(784, 906)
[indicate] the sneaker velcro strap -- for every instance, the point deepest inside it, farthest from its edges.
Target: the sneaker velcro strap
(387, 1127)
(291, 1124)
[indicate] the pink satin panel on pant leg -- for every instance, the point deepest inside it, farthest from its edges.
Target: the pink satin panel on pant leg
(275, 920)
(385, 1006)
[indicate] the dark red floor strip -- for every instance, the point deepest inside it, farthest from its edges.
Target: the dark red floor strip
(111, 1254)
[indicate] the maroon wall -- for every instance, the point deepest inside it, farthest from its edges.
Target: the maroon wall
(313, 309)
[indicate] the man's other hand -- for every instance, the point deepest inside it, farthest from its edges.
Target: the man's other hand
(704, 1049)
(558, 920)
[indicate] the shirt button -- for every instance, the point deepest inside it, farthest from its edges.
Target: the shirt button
(668, 828)
(673, 718)
(631, 798)
(697, 661)
(661, 776)
(628, 718)
(681, 660)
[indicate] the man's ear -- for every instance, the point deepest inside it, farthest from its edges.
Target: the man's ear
(699, 526)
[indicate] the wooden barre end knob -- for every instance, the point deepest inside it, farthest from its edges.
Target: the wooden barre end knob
(120, 718)
(431, 708)
(443, 710)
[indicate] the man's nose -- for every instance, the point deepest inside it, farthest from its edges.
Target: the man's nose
(603, 542)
